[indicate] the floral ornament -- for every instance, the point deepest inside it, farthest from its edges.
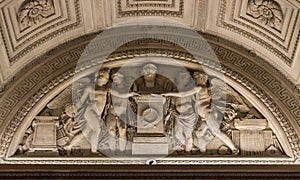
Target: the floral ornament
(266, 11)
(32, 11)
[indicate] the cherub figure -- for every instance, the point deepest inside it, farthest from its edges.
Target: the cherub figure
(211, 119)
(210, 124)
(69, 127)
(182, 110)
(91, 109)
(27, 140)
(116, 119)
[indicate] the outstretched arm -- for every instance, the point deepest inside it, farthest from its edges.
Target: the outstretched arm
(182, 94)
(84, 96)
(123, 95)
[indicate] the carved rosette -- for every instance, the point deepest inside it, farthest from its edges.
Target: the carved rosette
(267, 12)
(32, 12)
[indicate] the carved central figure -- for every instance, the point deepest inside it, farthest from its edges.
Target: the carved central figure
(151, 82)
(151, 111)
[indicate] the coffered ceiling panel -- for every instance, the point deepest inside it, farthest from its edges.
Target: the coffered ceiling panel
(30, 24)
(150, 7)
(274, 25)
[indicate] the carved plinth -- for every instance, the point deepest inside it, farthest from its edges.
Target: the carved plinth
(44, 137)
(150, 139)
(150, 114)
(253, 137)
(150, 146)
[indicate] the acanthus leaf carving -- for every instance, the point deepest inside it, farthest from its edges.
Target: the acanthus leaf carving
(267, 12)
(31, 12)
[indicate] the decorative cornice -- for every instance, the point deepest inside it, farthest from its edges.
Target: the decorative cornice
(164, 8)
(150, 172)
(166, 161)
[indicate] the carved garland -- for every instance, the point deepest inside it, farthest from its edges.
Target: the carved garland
(7, 137)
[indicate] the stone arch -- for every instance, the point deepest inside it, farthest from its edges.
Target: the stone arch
(27, 93)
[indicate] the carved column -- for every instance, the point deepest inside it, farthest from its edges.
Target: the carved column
(44, 137)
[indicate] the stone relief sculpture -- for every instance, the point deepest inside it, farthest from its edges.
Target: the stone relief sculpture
(195, 114)
(68, 129)
(68, 133)
(150, 110)
(183, 113)
(25, 145)
(32, 11)
(267, 12)
(151, 82)
(213, 116)
(117, 122)
(91, 109)
(209, 122)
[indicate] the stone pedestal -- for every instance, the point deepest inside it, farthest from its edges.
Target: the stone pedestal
(252, 136)
(150, 138)
(44, 137)
(150, 114)
(150, 146)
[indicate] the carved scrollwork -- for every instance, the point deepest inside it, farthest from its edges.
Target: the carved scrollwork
(32, 12)
(26, 141)
(267, 12)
